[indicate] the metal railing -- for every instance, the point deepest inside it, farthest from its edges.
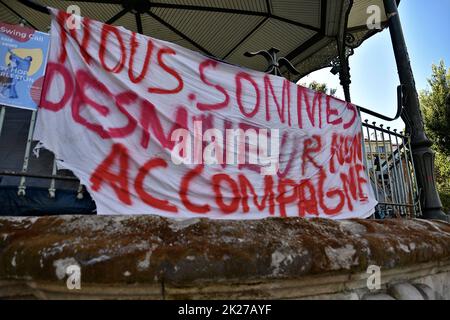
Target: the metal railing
(24, 173)
(30, 185)
(389, 166)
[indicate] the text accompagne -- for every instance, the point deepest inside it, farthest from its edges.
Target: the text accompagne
(113, 99)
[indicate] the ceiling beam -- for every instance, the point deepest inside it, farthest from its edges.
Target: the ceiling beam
(137, 16)
(116, 17)
(296, 23)
(269, 7)
(35, 6)
(305, 45)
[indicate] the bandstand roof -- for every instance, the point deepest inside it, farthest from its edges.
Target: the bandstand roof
(305, 31)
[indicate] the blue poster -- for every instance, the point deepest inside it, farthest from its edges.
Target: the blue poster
(23, 59)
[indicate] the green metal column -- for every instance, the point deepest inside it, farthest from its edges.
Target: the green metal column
(423, 156)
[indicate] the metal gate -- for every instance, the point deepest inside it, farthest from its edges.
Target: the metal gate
(31, 185)
(390, 169)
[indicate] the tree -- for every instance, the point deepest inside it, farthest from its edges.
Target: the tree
(435, 103)
(435, 110)
(442, 164)
(321, 87)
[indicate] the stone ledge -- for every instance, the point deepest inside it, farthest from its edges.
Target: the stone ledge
(178, 258)
(434, 276)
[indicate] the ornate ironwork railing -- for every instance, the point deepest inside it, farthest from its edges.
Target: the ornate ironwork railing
(390, 169)
(390, 166)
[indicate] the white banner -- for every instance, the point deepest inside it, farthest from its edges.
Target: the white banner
(150, 127)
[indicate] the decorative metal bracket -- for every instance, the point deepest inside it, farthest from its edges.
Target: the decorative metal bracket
(335, 63)
(274, 62)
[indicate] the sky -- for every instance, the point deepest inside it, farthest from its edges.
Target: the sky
(426, 27)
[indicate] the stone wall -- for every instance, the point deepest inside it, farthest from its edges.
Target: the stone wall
(148, 257)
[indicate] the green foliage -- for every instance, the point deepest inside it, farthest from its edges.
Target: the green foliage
(321, 87)
(435, 110)
(435, 103)
(445, 199)
(443, 178)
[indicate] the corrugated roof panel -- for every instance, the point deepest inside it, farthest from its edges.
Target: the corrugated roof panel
(334, 15)
(359, 15)
(154, 29)
(306, 11)
(220, 32)
(127, 21)
(7, 16)
(250, 5)
(97, 11)
(38, 20)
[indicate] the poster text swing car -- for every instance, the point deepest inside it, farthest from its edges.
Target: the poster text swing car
(144, 124)
(23, 57)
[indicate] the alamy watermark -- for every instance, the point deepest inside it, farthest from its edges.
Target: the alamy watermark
(73, 22)
(74, 277)
(374, 280)
(373, 22)
(212, 147)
